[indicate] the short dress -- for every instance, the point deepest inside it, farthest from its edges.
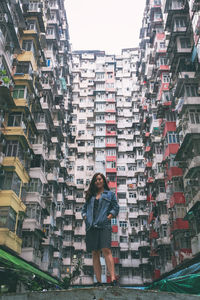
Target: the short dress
(97, 238)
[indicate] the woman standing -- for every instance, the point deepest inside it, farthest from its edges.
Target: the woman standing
(100, 207)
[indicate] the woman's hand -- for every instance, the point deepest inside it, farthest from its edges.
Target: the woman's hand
(110, 216)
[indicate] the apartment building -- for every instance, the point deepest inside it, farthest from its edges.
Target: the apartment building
(105, 137)
(168, 76)
(35, 103)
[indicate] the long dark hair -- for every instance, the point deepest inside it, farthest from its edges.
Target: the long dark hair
(92, 188)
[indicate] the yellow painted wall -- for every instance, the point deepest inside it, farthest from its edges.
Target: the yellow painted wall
(10, 240)
(15, 163)
(9, 198)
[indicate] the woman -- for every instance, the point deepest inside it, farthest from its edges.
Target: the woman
(100, 207)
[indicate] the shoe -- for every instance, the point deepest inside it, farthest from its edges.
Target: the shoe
(114, 283)
(98, 284)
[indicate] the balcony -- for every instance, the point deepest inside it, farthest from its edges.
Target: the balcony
(179, 224)
(78, 216)
(5, 97)
(17, 132)
(67, 261)
(144, 244)
(193, 200)
(68, 212)
(193, 165)
(67, 243)
(169, 126)
(111, 170)
(112, 184)
(9, 198)
(32, 255)
(10, 240)
(32, 225)
(14, 163)
(80, 230)
(177, 198)
(133, 215)
(111, 145)
(88, 262)
(161, 197)
(171, 149)
(79, 246)
(163, 241)
(68, 227)
(114, 244)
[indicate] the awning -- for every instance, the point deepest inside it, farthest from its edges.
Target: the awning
(15, 262)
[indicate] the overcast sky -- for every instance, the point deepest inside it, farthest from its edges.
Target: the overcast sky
(109, 25)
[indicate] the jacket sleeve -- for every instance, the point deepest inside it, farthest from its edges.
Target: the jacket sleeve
(84, 210)
(114, 205)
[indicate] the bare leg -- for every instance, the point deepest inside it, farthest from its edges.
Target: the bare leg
(109, 262)
(97, 264)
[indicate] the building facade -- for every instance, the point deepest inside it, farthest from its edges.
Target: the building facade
(35, 103)
(105, 137)
(168, 75)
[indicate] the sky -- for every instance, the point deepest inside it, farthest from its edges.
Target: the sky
(108, 25)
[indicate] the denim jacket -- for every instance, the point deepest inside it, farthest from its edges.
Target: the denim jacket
(107, 205)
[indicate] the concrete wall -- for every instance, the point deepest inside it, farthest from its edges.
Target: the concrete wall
(99, 294)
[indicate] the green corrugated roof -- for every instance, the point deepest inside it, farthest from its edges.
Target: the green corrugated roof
(20, 264)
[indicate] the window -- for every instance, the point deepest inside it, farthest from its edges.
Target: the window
(99, 75)
(31, 24)
(173, 138)
(81, 121)
(191, 90)
(121, 168)
(194, 116)
(48, 62)
(80, 168)
(114, 236)
(162, 45)
(27, 45)
(121, 181)
(24, 68)
(121, 195)
(14, 148)
(113, 221)
(111, 164)
(33, 6)
(7, 218)
(123, 239)
(171, 117)
(90, 168)
(28, 241)
(157, 16)
(185, 43)
(19, 92)
(179, 22)
(79, 181)
(135, 271)
(35, 185)
(33, 212)
(111, 152)
(12, 182)
(124, 271)
(163, 61)
(124, 255)
(50, 31)
(135, 254)
(88, 255)
(132, 195)
(166, 78)
(123, 224)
